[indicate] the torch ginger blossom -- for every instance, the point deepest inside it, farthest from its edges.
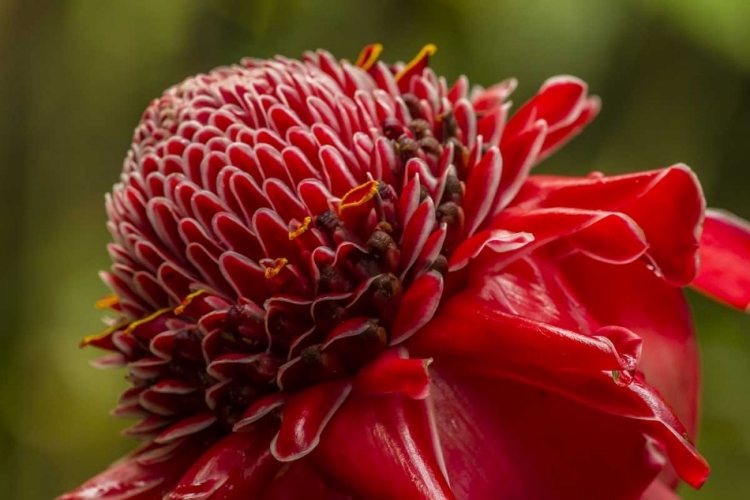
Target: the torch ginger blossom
(336, 280)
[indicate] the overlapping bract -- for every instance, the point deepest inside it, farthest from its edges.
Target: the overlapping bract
(340, 279)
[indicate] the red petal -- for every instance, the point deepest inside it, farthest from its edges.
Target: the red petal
(417, 306)
(383, 447)
(667, 204)
(635, 298)
(393, 372)
(470, 332)
(725, 259)
(237, 467)
(129, 480)
(305, 416)
(502, 439)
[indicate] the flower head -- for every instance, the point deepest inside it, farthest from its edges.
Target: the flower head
(340, 280)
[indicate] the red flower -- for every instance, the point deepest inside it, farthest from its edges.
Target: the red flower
(340, 281)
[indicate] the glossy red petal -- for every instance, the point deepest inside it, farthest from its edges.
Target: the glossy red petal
(725, 259)
(306, 414)
(237, 467)
(379, 447)
(505, 440)
(635, 298)
(417, 306)
(129, 480)
(470, 332)
(394, 372)
(667, 204)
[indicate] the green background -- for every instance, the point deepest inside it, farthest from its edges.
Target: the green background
(75, 76)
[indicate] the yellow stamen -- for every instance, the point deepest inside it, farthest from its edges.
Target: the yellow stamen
(276, 269)
(107, 301)
(427, 51)
(369, 56)
(186, 302)
(150, 317)
(98, 336)
(370, 186)
(300, 230)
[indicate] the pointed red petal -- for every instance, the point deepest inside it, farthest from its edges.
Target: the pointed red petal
(468, 331)
(502, 436)
(237, 467)
(667, 204)
(633, 297)
(725, 259)
(305, 416)
(417, 306)
(129, 480)
(393, 372)
(383, 447)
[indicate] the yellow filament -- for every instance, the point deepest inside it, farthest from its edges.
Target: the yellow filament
(300, 230)
(150, 317)
(371, 192)
(276, 269)
(186, 302)
(369, 56)
(98, 336)
(427, 51)
(107, 301)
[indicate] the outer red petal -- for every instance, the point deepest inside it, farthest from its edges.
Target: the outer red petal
(468, 331)
(379, 447)
(667, 204)
(635, 298)
(129, 480)
(503, 440)
(237, 467)
(725, 259)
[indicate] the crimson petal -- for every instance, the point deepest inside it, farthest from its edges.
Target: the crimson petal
(305, 416)
(725, 259)
(237, 467)
(468, 331)
(383, 447)
(127, 479)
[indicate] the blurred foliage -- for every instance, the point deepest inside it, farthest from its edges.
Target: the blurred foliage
(75, 74)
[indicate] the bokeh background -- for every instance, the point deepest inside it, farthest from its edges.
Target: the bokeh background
(75, 76)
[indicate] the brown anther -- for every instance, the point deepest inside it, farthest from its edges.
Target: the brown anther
(406, 148)
(412, 104)
(449, 125)
(382, 245)
(333, 280)
(328, 221)
(423, 193)
(454, 191)
(387, 296)
(321, 365)
(420, 128)
(431, 146)
(379, 243)
(440, 264)
(449, 213)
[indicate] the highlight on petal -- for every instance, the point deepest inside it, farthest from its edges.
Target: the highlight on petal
(383, 447)
(127, 479)
(418, 306)
(306, 414)
(237, 467)
(394, 372)
(724, 271)
(468, 331)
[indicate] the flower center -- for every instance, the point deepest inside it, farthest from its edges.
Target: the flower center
(291, 237)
